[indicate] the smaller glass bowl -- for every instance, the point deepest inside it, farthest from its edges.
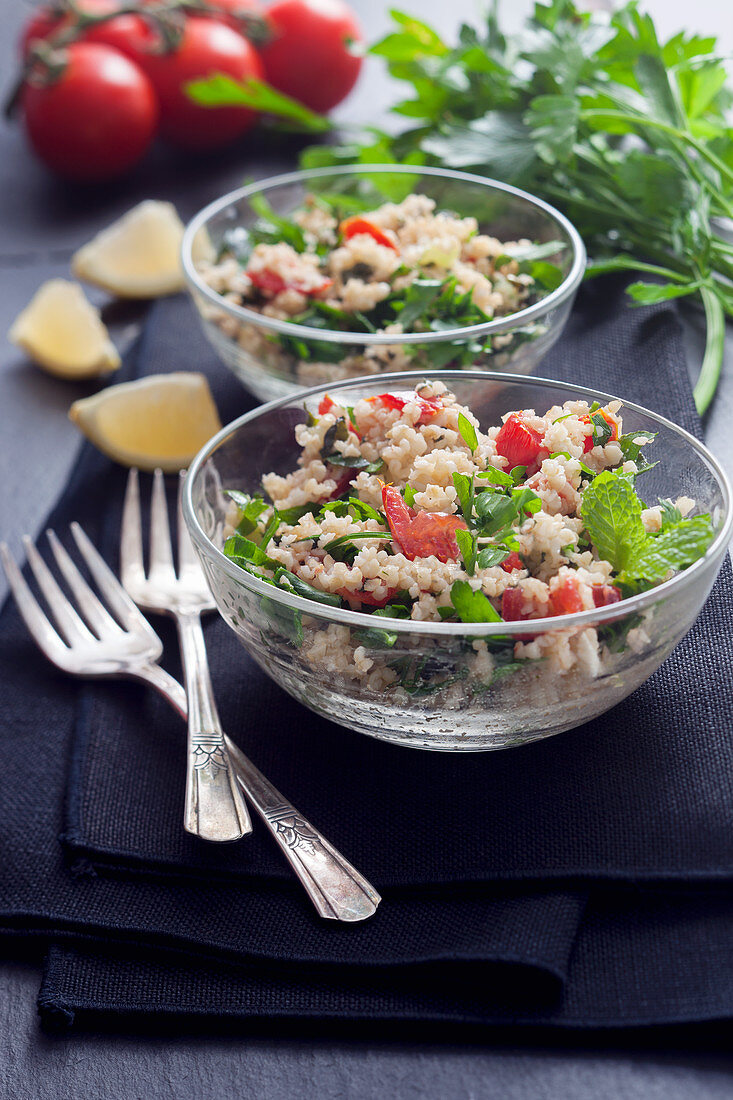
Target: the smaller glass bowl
(274, 358)
(425, 687)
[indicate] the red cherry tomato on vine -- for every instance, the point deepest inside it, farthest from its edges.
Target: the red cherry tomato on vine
(122, 28)
(206, 47)
(311, 55)
(241, 15)
(97, 119)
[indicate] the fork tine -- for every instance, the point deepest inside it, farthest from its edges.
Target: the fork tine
(38, 624)
(187, 559)
(161, 552)
(69, 623)
(125, 608)
(132, 566)
(95, 613)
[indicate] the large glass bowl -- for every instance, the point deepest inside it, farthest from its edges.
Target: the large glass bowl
(436, 700)
(274, 358)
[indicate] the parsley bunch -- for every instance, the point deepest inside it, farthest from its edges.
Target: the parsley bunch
(625, 133)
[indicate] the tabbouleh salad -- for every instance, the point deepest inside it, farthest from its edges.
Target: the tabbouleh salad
(404, 508)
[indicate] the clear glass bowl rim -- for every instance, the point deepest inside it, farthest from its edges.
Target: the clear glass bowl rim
(474, 630)
(504, 324)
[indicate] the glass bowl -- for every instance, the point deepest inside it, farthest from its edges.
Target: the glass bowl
(435, 698)
(273, 357)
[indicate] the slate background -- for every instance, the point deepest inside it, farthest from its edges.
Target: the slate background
(41, 222)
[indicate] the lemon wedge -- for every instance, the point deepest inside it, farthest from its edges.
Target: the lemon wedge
(62, 331)
(137, 256)
(161, 420)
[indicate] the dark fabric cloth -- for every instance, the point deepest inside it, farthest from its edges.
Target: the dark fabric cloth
(502, 912)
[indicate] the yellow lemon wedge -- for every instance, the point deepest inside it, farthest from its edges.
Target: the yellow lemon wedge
(137, 256)
(62, 332)
(161, 420)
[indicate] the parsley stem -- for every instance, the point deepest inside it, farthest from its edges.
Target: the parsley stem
(714, 348)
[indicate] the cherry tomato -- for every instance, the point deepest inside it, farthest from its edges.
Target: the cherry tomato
(241, 15)
(605, 594)
(566, 599)
(512, 562)
(352, 227)
(310, 56)
(429, 406)
(97, 119)
(590, 440)
(269, 282)
(366, 598)
(123, 27)
(206, 47)
(420, 534)
(519, 443)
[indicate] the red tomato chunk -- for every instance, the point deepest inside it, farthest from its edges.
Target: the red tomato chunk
(367, 598)
(520, 444)
(429, 406)
(605, 594)
(420, 534)
(512, 562)
(353, 227)
(272, 284)
(566, 598)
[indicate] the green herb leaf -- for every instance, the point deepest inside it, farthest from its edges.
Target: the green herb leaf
(611, 513)
(250, 507)
(468, 432)
(221, 90)
(354, 462)
(409, 495)
(472, 607)
(239, 547)
(465, 490)
(492, 555)
(497, 477)
(467, 545)
(289, 580)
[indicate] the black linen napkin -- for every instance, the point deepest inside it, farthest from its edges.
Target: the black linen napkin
(644, 792)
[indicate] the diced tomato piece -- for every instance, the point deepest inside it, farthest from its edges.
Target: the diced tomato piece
(269, 282)
(352, 227)
(511, 605)
(605, 594)
(366, 598)
(519, 443)
(420, 534)
(326, 404)
(590, 438)
(512, 562)
(429, 406)
(566, 598)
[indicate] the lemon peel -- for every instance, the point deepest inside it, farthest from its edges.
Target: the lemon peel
(63, 333)
(159, 421)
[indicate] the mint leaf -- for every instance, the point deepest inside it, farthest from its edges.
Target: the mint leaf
(409, 495)
(611, 513)
(674, 548)
(468, 432)
(238, 547)
(497, 477)
(250, 507)
(290, 581)
(472, 607)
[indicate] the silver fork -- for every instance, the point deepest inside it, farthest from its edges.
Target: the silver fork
(127, 647)
(214, 808)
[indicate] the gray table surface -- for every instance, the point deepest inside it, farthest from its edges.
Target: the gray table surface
(41, 223)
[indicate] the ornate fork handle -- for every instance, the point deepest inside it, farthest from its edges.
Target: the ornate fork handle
(214, 808)
(336, 888)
